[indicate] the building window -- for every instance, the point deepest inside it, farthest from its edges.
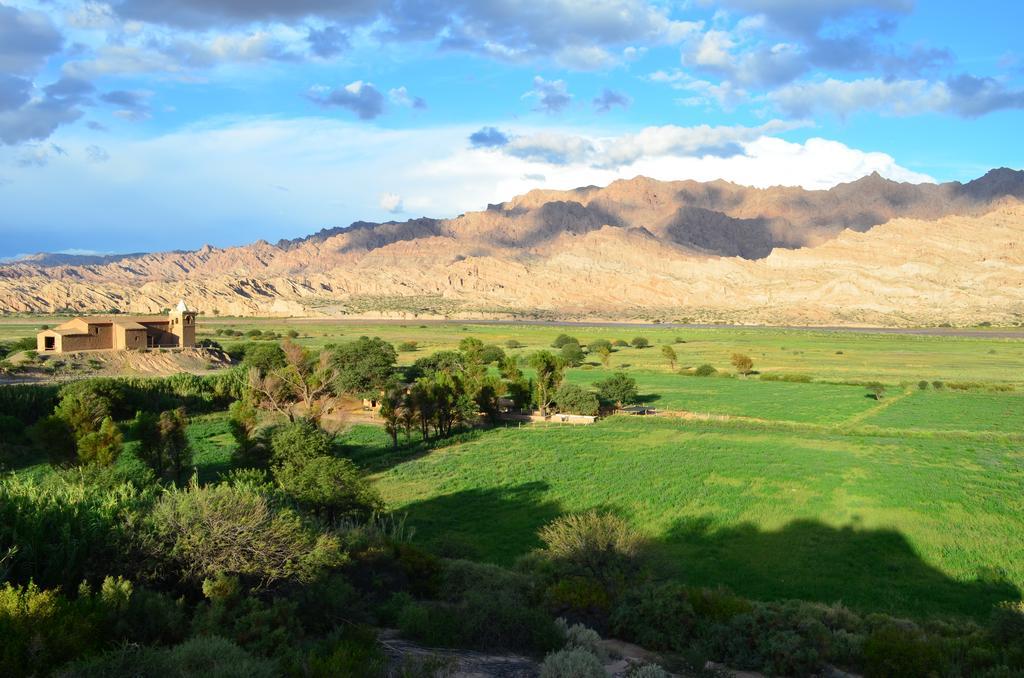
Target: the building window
(48, 343)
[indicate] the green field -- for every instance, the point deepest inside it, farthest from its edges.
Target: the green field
(906, 524)
(912, 504)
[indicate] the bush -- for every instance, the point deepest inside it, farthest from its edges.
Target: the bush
(264, 357)
(1007, 623)
(619, 343)
(572, 354)
(640, 342)
(514, 343)
(84, 409)
(900, 650)
(619, 389)
(922, 385)
(101, 447)
(648, 671)
(598, 344)
(580, 637)
(791, 378)
(298, 441)
(221, 529)
(656, 616)
(56, 437)
(705, 370)
(575, 400)
(601, 545)
(563, 339)
(576, 663)
(328, 486)
(491, 354)
(938, 385)
(876, 389)
(203, 657)
(407, 346)
(742, 363)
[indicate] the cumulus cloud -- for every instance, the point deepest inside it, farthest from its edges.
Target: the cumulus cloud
(433, 169)
(362, 98)
(488, 137)
(576, 35)
(614, 152)
(328, 41)
(29, 115)
(401, 97)
(391, 203)
(552, 95)
(609, 99)
(131, 105)
(965, 95)
(27, 39)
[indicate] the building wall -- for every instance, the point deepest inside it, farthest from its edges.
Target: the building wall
(183, 325)
(41, 342)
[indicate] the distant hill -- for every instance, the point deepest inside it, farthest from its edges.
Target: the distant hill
(872, 251)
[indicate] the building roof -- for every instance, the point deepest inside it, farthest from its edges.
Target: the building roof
(120, 320)
(129, 325)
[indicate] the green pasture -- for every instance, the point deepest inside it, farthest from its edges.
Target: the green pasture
(906, 524)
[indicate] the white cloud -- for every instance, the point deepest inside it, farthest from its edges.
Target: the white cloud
(391, 203)
(227, 195)
(893, 97)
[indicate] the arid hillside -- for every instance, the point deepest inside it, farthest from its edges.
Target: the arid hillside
(868, 252)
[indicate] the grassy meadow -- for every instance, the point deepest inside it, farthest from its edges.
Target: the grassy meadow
(912, 504)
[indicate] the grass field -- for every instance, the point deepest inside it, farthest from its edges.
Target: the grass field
(912, 504)
(906, 524)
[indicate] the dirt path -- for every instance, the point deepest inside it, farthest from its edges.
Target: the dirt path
(872, 411)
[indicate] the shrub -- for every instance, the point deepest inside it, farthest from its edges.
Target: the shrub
(705, 370)
(640, 342)
(656, 616)
(580, 637)
(264, 357)
(1007, 623)
(575, 663)
(101, 447)
(56, 436)
(563, 339)
(742, 363)
(249, 451)
(407, 346)
(900, 650)
(792, 378)
(922, 385)
(876, 389)
(599, 544)
(203, 657)
(620, 389)
(298, 441)
(328, 486)
(84, 409)
(572, 354)
(574, 399)
(491, 354)
(648, 671)
(938, 385)
(620, 342)
(293, 334)
(599, 344)
(221, 529)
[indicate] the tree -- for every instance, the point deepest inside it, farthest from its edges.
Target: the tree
(101, 447)
(472, 348)
(146, 429)
(264, 357)
(83, 409)
(743, 364)
(364, 366)
(572, 354)
(561, 340)
(640, 342)
(492, 353)
(596, 345)
(620, 389)
(304, 382)
(175, 448)
(669, 354)
(243, 420)
(876, 388)
(391, 413)
(550, 370)
(56, 437)
(298, 440)
(328, 486)
(573, 399)
(604, 353)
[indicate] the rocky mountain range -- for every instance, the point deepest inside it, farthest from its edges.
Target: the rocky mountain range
(872, 251)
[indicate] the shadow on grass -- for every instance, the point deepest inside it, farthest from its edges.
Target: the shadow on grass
(869, 570)
(500, 523)
(647, 398)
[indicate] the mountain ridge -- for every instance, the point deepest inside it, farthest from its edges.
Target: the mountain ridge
(544, 252)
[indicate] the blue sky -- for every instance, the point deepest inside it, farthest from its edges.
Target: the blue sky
(141, 125)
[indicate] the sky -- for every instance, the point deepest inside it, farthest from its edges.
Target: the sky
(145, 125)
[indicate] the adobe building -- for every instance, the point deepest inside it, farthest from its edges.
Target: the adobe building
(112, 333)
